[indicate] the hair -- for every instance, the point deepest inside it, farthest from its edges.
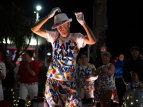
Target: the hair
(139, 73)
(122, 54)
(106, 53)
(85, 53)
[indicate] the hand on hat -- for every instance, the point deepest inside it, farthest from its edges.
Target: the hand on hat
(80, 17)
(54, 10)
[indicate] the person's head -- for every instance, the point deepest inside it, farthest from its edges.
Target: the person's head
(84, 58)
(106, 57)
(64, 29)
(62, 23)
(136, 75)
(135, 51)
(9, 59)
(28, 55)
(103, 48)
(121, 56)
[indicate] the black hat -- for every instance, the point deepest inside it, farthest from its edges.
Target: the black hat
(135, 47)
(30, 53)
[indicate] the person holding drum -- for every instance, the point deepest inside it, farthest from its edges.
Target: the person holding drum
(137, 80)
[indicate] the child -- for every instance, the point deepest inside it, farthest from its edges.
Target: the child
(137, 81)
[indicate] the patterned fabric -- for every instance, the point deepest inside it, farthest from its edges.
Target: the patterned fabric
(82, 73)
(105, 83)
(65, 51)
(62, 93)
(132, 85)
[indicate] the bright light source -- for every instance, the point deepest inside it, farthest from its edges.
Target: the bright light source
(38, 8)
(48, 53)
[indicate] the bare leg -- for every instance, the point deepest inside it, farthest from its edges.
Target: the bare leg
(106, 99)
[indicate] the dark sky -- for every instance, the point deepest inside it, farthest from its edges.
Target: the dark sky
(125, 19)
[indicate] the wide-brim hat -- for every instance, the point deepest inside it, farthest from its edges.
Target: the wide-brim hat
(60, 19)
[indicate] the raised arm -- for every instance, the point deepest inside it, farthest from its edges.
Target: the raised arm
(37, 27)
(91, 38)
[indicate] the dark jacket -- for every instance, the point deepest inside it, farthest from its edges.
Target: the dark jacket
(129, 65)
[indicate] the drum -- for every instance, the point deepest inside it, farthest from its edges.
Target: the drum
(134, 98)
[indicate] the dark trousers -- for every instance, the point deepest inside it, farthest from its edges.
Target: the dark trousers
(121, 89)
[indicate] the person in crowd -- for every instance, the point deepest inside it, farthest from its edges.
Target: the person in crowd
(137, 80)
(2, 76)
(28, 77)
(8, 82)
(17, 67)
(120, 85)
(86, 80)
(60, 86)
(104, 85)
(134, 62)
(98, 61)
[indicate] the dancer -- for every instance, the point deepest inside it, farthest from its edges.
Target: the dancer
(86, 80)
(60, 88)
(105, 86)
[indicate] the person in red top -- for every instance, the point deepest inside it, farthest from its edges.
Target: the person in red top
(28, 77)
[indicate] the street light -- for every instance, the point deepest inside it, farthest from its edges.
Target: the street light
(38, 8)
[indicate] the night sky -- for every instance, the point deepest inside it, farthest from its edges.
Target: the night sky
(125, 19)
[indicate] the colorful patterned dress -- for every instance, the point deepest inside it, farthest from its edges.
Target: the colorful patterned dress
(105, 83)
(82, 73)
(132, 85)
(60, 86)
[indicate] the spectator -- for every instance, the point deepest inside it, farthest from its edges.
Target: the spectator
(120, 85)
(28, 77)
(134, 62)
(8, 82)
(2, 76)
(86, 80)
(137, 80)
(104, 85)
(17, 67)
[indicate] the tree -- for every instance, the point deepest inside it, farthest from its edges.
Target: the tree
(15, 27)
